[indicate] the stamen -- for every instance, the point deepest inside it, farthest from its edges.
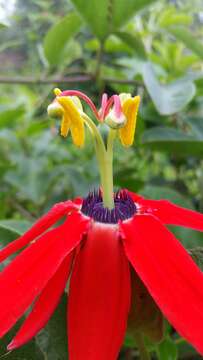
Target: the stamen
(73, 120)
(65, 125)
(117, 105)
(130, 110)
(103, 106)
(124, 207)
(108, 106)
(114, 99)
(84, 97)
(57, 91)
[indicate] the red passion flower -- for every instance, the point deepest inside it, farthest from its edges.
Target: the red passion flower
(109, 253)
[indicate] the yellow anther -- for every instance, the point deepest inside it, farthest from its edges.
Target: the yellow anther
(77, 102)
(65, 125)
(72, 120)
(124, 96)
(57, 91)
(130, 109)
(55, 110)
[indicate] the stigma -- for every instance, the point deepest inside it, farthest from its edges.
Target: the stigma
(124, 207)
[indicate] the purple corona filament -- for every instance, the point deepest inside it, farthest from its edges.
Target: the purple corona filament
(124, 208)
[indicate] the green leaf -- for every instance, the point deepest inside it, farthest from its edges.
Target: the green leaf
(9, 115)
(187, 38)
(122, 11)
(134, 42)
(106, 16)
(197, 255)
(112, 45)
(58, 36)
(52, 340)
(164, 192)
(11, 230)
(3, 24)
(168, 99)
(172, 140)
(15, 226)
(129, 341)
(189, 238)
(30, 177)
(187, 351)
(29, 351)
(196, 126)
(9, 44)
(167, 350)
(173, 16)
(115, 45)
(6, 237)
(71, 52)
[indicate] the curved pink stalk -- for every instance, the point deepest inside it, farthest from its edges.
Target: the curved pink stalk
(103, 105)
(117, 105)
(84, 97)
(108, 105)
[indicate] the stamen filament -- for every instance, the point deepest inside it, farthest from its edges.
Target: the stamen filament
(103, 105)
(117, 105)
(108, 106)
(94, 129)
(84, 97)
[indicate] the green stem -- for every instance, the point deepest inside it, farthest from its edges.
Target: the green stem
(107, 183)
(95, 132)
(98, 144)
(105, 161)
(108, 170)
(144, 354)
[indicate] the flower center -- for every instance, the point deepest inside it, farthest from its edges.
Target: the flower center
(124, 207)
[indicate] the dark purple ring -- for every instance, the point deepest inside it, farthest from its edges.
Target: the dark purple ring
(124, 207)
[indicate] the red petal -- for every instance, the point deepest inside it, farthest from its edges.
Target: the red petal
(135, 197)
(99, 297)
(77, 201)
(44, 306)
(44, 223)
(172, 278)
(26, 276)
(170, 213)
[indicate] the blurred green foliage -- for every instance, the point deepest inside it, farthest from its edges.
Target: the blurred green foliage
(148, 47)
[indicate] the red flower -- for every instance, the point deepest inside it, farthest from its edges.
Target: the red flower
(108, 244)
(95, 247)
